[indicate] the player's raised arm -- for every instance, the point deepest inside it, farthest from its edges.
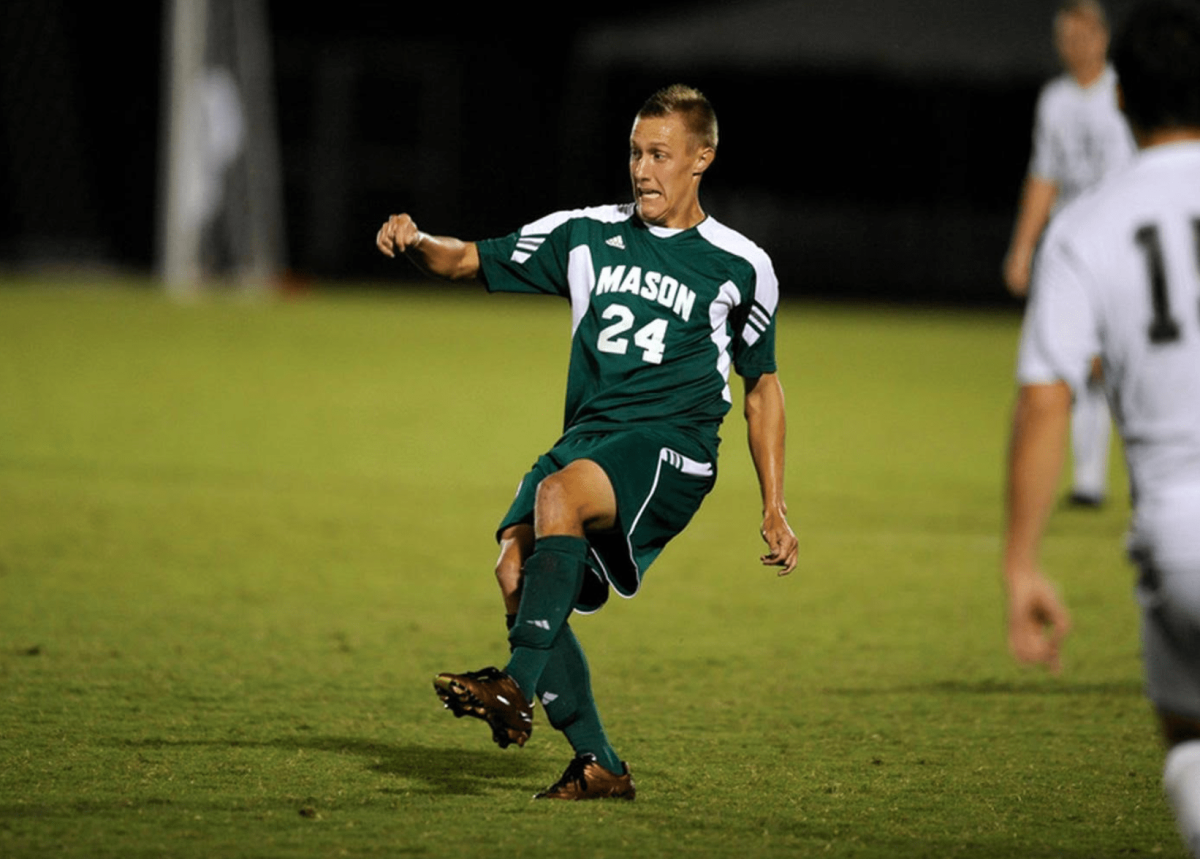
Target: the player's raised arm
(441, 256)
(766, 428)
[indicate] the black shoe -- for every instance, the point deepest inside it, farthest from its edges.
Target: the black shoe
(1085, 501)
(491, 695)
(584, 778)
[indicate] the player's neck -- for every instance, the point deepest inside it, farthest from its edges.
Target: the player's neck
(684, 220)
(1088, 75)
(694, 217)
(690, 216)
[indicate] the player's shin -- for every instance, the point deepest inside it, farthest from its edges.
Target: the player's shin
(552, 580)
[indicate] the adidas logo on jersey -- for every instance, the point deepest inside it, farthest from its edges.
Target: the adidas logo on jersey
(616, 242)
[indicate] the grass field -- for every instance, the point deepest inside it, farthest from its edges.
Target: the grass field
(238, 539)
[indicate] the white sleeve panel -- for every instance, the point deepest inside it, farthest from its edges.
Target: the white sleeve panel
(1060, 334)
(766, 284)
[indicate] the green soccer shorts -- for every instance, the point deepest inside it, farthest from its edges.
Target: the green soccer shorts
(658, 490)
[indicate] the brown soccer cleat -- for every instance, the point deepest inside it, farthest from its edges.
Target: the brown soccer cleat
(491, 695)
(586, 779)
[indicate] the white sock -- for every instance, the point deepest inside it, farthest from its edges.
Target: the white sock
(1091, 428)
(1181, 778)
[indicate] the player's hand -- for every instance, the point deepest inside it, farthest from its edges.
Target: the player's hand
(783, 548)
(1016, 273)
(398, 235)
(1038, 622)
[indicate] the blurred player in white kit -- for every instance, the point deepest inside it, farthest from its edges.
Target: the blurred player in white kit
(1079, 137)
(1118, 275)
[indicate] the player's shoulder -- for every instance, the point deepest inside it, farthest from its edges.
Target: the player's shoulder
(746, 264)
(1057, 90)
(606, 214)
(732, 242)
(1153, 178)
(1087, 213)
(1100, 222)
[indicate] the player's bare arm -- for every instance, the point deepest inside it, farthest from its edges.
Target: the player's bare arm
(766, 428)
(1038, 622)
(441, 256)
(1037, 200)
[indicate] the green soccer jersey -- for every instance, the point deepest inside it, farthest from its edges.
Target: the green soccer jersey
(658, 315)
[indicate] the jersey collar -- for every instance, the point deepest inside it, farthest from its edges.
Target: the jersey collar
(668, 232)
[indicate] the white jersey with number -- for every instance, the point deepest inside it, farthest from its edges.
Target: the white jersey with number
(1119, 276)
(1079, 135)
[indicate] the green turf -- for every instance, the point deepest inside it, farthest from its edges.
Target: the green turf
(238, 539)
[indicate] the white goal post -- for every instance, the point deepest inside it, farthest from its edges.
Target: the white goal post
(220, 214)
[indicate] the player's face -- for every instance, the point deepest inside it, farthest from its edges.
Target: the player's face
(1082, 42)
(665, 166)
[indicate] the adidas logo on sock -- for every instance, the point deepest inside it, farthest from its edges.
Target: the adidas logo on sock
(540, 624)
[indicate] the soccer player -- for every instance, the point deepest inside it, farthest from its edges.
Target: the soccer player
(1119, 276)
(1079, 138)
(664, 300)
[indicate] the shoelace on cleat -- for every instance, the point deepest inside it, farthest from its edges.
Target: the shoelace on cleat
(575, 773)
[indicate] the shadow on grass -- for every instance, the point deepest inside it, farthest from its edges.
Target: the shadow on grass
(1038, 687)
(444, 772)
(441, 771)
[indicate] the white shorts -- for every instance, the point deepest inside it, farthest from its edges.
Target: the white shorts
(1169, 593)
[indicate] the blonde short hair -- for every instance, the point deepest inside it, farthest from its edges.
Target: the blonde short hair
(691, 105)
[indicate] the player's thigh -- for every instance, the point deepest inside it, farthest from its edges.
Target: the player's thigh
(577, 498)
(520, 511)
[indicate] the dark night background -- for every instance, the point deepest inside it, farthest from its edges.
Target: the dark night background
(874, 149)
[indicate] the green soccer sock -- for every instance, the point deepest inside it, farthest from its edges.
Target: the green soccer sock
(565, 690)
(550, 586)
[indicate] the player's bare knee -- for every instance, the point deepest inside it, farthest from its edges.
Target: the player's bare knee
(552, 492)
(556, 510)
(575, 500)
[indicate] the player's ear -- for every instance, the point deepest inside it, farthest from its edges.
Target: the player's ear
(704, 158)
